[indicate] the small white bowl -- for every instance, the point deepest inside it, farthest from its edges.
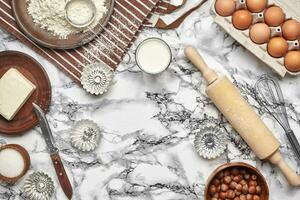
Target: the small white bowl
(92, 7)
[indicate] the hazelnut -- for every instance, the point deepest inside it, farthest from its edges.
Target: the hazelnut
(252, 189)
(230, 194)
(253, 177)
(226, 173)
(237, 178)
(245, 189)
(235, 171)
(224, 187)
(249, 197)
(223, 195)
(242, 197)
(216, 182)
(212, 190)
(258, 189)
(233, 185)
(243, 182)
(247, 176)
(218, 188)
(236, 198)
(220, 175)
(252, 183)
(237, 193)
(239, 187)
(227, 179)
(214, 198)
(256, 197)
(216, 195)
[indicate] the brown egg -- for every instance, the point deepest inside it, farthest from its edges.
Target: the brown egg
(274, 16)
(292, 61)
(256, 5)
(225, 7)
(291, 29)
(277, 47)
(242, 19)
(260, 33)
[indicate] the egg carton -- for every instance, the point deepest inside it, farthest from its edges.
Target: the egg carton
(291, 10)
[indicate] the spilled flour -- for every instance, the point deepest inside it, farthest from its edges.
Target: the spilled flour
(50, 15)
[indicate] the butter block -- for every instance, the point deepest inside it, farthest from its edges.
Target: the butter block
(15, 90)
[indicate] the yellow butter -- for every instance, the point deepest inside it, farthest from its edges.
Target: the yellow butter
(15, 90)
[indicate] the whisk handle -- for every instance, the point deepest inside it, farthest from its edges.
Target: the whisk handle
(294, 142)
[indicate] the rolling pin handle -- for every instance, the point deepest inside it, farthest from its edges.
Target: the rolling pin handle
(289, 174)
(193, 55)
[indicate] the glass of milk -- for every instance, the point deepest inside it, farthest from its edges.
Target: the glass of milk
(153, 56)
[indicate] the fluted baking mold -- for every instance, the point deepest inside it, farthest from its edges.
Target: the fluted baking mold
(96, 78)
(85, 135)
(39, 186)
(210, 141)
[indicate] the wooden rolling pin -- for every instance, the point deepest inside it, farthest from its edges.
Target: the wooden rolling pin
(242, 116)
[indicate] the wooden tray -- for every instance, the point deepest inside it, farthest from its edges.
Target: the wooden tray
(45, 38)
(33, 71)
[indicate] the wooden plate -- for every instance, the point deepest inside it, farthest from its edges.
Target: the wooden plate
(45, 38)
(33, 71)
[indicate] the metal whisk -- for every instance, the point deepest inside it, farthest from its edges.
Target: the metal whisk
(270, 96)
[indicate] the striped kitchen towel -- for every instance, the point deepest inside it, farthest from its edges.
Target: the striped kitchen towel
(108, 48)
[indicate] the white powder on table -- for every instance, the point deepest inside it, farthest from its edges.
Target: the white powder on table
(50, 15)
(11, 163)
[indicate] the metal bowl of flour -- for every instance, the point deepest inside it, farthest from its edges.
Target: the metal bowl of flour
(46, 38)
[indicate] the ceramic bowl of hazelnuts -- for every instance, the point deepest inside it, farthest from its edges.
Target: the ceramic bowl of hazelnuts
(236, 181)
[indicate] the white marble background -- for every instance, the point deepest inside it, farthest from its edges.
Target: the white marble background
(146, 151)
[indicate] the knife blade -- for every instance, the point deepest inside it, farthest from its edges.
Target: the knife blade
(54, 153)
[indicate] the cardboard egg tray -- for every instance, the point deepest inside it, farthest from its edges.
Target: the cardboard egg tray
(291, 10)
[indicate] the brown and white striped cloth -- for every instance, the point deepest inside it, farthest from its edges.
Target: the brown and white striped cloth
(109, 47)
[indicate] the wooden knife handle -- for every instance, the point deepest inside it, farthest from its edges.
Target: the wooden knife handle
(62, 175)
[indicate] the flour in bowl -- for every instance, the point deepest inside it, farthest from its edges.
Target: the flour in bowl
(50, 15)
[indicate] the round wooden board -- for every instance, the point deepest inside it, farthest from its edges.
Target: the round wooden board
(47, 39)
(33, 71)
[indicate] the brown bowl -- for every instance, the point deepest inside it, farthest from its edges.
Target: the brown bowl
(26, 159)
(239, 165)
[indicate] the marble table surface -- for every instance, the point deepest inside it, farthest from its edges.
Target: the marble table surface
(147, 123)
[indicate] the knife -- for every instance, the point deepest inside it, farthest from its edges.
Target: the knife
(53, 150)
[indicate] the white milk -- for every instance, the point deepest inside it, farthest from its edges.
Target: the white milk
(11, 163)
(153, 56)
